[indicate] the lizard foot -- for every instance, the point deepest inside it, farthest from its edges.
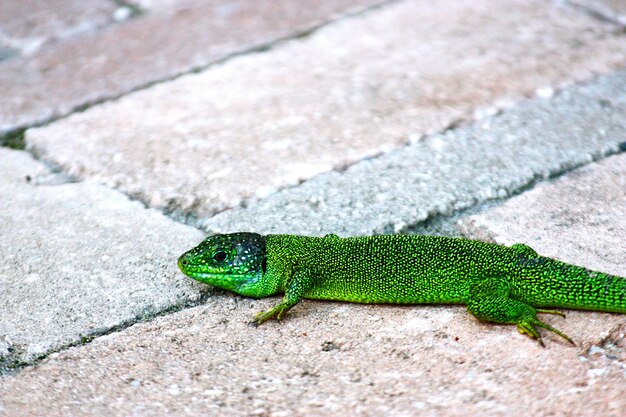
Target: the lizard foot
(527, 326)
(278, 312)
(489, 300)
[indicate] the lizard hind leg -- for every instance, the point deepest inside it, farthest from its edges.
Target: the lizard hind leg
(489, 300)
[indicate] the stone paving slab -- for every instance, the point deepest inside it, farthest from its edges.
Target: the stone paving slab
(78, 260)
(27, 25)
(150, 48)
(441, 174)
(614, 10)
(580, 217)
(362, 86)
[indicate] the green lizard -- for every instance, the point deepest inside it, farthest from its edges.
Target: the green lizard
(497, 283)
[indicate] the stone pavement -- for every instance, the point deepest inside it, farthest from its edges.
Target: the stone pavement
(134, 121)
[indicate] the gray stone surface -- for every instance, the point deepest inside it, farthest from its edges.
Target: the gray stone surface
(444, 173)
(78, 260)
(238, 131)
(580, 218)
(153, 47)
(28, 25)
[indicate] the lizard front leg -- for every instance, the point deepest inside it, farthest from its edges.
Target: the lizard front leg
(296, 287)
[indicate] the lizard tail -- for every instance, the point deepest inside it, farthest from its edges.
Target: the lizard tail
(570, 286)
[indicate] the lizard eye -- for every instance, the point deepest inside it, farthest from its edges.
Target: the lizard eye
(219, 256)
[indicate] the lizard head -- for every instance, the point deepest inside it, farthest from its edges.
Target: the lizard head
(233, 262)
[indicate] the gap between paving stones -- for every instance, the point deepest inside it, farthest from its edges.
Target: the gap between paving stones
(445, 224)
(184, 195)
(610, 347)
(14, 138)
(436, 222)
(12, 364)
(599, 14)
(531, 151)
(52, 264)
(592, 13)
(135, 9)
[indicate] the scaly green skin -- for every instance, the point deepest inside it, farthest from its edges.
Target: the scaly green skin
(497, 283)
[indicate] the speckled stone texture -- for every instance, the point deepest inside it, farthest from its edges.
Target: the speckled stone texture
(78, 260)
(329, 359)
(152, 47)
(445, 173)
(356, 88)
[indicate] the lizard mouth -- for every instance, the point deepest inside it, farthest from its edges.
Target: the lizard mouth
(199, 273)
(226, 281)
(191, 269)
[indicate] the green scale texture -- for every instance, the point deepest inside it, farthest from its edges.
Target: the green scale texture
(381, 269)
(497, 283)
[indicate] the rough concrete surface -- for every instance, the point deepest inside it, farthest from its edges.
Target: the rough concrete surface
(580, 218)
(361, 86)
(329, 359)
(448, 172)
(149, 48)
(78, 260)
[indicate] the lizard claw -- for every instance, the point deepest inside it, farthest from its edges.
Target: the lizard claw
(530, 331)
(555, 312)
(262, 316)
(527, 327)
(278, 312)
